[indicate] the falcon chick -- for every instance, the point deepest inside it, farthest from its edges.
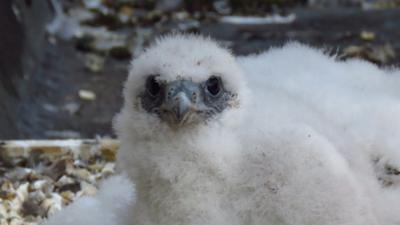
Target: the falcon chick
(289, 136)
(286, 137)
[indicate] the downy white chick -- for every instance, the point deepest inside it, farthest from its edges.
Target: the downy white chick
(290, 136)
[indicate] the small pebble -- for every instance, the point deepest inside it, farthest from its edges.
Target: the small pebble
(87, 95)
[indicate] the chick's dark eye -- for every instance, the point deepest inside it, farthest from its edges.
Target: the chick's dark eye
(213, 85)
(153, 88)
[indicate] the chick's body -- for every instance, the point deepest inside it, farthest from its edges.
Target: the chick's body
(273, 156)
(220, 178)
(287, 137)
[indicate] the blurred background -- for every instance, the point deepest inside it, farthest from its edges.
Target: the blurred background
(63, 62)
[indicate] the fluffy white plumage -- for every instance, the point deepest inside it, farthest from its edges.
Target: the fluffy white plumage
(307, 141)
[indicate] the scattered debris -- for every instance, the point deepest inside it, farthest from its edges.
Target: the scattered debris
(367, 35)
(100, 40)
(125, 14)
(87, 95)
(94, 63)
(377, 54)
(379, 4)
(274, 19)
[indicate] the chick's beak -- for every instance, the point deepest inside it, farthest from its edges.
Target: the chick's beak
(181, 106)
(180, 102)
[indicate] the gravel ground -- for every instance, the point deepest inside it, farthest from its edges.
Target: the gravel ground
(38, 178)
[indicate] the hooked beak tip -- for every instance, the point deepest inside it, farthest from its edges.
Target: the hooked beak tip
(182, 106)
